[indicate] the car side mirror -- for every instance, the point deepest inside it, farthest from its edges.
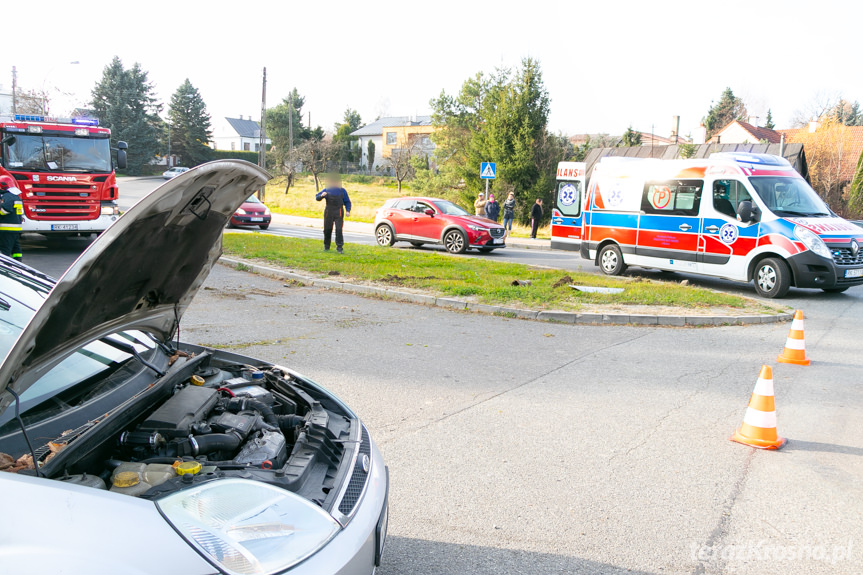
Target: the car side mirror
(429, 212)
(746, 212)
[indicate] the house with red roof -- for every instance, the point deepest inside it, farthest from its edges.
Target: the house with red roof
(738, 132)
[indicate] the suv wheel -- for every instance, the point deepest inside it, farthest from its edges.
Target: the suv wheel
(772, 278)
(455, 242)
(384, 235)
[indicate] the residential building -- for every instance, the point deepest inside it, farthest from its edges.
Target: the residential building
(241, 134)
(738, 132)
(5, 101)
(850, 155)
(393, 133)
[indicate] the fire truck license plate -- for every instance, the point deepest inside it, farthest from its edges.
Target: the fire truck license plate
(854, 273)
(63, 227)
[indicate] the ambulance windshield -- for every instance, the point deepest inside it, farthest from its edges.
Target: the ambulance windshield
(789, 196)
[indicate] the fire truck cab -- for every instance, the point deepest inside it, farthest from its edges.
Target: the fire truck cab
(65, 171)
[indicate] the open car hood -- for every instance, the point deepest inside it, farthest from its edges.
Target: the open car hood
(141, 273)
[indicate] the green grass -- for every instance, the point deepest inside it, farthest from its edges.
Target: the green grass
(368, 193)
(479, 279)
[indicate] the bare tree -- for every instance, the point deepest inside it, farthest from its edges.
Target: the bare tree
(316, 155)
(817, 106)
(399, 161)
(31, 101)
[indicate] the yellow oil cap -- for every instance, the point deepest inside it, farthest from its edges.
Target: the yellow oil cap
(126, 479)
(196, 380)
(188, 468)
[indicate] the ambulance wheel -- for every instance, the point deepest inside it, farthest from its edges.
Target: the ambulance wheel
(834, 290)
(772, 278)
(611, 260)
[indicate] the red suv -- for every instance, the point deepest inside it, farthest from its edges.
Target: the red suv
(434, 221)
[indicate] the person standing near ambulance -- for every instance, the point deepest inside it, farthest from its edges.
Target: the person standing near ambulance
(338, 206)
(11, 210)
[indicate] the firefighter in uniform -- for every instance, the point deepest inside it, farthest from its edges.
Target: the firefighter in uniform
(11, 210)
(338, 206)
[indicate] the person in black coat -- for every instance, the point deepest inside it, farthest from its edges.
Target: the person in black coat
(338, 205)
(535, 217)
(492, 208)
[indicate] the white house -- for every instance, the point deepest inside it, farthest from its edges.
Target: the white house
(5, 101)
(241, 134)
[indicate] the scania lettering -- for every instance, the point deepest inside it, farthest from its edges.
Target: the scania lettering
(740, 216)
(65, 171)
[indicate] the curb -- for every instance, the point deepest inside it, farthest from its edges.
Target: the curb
(579, 318)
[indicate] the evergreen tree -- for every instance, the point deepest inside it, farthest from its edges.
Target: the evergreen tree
(351, 122)
(769, 123)
(501, 118)
(371, 156)
(190, 125)
(630, 138)
(728, 109)
(123, 101)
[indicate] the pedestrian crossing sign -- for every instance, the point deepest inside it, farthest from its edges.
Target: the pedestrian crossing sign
(487, 170)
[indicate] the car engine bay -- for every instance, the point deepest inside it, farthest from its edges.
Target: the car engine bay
(226, 419)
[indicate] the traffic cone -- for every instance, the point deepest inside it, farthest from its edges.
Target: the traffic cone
(795, 346)
(759, 424)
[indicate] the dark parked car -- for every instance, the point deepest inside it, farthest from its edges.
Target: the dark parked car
(435, 221)
(252, 213)
(155, 456)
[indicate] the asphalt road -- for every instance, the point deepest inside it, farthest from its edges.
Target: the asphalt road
(533, 448)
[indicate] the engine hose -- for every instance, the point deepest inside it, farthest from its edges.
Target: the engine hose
(238, 404)
(215, 442)
(289, 422)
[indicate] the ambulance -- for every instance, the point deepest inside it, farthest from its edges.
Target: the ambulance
(739, 216)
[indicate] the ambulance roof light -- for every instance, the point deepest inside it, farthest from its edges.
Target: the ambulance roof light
(750, 158)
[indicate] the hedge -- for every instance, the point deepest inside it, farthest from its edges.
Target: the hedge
(234, 155)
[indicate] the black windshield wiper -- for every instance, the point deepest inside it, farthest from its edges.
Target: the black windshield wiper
(130, 349)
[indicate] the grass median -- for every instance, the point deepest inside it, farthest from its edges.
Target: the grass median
(478, 279)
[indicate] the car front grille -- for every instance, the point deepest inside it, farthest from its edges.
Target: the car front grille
(845, 257)
(357, 482)
(496, 232)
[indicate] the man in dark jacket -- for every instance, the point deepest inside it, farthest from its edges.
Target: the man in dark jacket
(11, 210)
(535, 216)
(338, 206)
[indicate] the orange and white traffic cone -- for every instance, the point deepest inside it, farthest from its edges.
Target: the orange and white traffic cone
(759, 424)
(795, 346)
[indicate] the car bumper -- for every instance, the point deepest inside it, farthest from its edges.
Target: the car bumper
(354, 550)
(247, 220)
(100, 224)
(813, 271)
(484, 240)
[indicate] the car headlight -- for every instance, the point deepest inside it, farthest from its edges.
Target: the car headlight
(241, 211)
(248, 527)
(478, 228)
(811, 240)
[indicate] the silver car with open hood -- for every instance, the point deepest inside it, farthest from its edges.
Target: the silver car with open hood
(154, 456)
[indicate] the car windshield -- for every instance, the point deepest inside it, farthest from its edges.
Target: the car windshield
(789, 196)
(21, 295)
(50, 153)
(253, 200)
(450, 208)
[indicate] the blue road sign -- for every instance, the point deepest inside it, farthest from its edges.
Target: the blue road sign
(487, 170)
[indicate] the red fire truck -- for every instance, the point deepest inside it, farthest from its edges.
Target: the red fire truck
(65, 171)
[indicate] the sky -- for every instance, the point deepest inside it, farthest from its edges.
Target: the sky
(607, 64)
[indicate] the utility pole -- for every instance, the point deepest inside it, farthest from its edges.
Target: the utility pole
(262, 148)
(14, 90)
(291, 126)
